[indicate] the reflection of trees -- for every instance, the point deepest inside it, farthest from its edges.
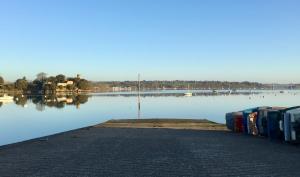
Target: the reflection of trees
(81, 99)
(36, 99)
(60, 105)
(177, 94)
(56, 101)
(39, 102)
(1, 95)
(20, 100)
(40, 106)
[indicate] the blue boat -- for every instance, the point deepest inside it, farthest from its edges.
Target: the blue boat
(262, 122)
(246, 122)
(275, 124)
(230, 121)
(291, 124)
(234, 121)
(250, 120)
(288, 133)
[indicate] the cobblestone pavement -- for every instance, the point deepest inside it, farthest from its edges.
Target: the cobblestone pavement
(149, 152)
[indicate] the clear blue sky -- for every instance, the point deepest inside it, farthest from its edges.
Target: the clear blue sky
(235, 40)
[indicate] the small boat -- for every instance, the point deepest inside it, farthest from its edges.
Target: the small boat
(214, 91)
(5, 97)
(188, 93)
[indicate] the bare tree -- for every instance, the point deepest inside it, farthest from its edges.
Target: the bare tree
(41, 76)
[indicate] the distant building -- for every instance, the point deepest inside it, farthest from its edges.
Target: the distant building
(65, 84)
(5, 99)
(121, 89)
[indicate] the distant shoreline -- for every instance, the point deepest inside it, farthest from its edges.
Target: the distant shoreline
(145, 91)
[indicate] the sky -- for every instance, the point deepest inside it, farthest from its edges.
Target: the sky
(232, 40)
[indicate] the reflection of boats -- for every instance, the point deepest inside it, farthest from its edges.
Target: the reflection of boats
(69, 100)
(65, 99)
(61, 99)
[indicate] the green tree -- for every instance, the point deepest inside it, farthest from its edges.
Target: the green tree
(50, 88)
(36, 85)
(70, 87)
(61, 87)
(60, 78)
(21, 84)
(51, 79)
(1, 80)
(9, 86)
(84, 84)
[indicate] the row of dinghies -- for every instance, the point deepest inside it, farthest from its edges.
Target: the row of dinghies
(272, 122)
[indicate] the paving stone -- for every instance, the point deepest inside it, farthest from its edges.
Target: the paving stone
(149, 152)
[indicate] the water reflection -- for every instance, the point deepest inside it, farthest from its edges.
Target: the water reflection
(175, 94)
(61, 100)
(43, 101)
(59, 113)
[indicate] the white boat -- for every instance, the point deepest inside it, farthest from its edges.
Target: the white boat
(188, 93)
(214, 91)
(229, 92)
(5, 97)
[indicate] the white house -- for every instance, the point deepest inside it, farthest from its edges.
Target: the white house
(64, 84)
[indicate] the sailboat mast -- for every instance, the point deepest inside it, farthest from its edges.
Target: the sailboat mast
(139, 84)
(139, 96)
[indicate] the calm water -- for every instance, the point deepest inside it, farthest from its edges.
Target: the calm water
(35, 116)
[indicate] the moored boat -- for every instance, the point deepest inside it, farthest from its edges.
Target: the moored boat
(6, 97)
(188, 94)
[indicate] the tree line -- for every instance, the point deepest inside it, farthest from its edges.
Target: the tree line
(179, 84)
(43, 84)
(183, 84)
